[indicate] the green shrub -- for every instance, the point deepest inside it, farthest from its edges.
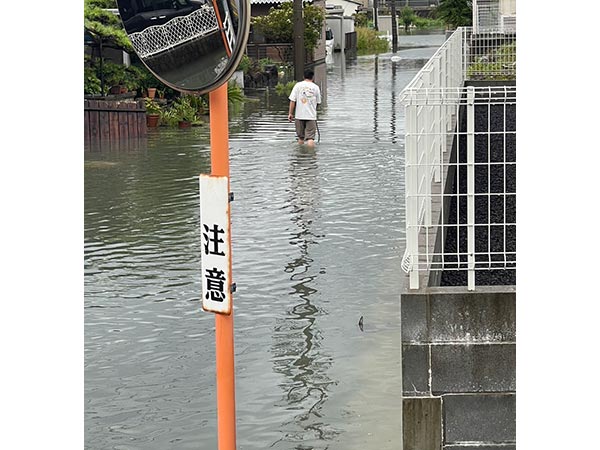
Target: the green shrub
(118, 74)
(264, 62)
(235, 94)
(285, 89)
(407, 17)
(152, 107)
(245, 64)
(169, 118)
(199, 103)
(424, 23)
(181, 109)
(368, 42)
(499, 64)
(361, 19)
(91, 82)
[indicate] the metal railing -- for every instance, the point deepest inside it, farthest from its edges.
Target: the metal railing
(159, 38)
(460, 162)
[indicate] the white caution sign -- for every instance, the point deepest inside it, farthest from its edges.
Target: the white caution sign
(214, 219)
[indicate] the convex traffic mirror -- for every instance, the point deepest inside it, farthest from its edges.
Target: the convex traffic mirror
(190, 45)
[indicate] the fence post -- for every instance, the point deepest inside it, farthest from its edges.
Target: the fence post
(412, 198)
(471, 187)
(455, 60)
(464, 52)
(427, 149)
(443, 104)
(437, 106)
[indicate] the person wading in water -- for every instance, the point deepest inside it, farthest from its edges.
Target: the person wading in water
(304, 99)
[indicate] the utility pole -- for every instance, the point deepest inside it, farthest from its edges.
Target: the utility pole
(394, 28)
(375, 22)
(299, 55)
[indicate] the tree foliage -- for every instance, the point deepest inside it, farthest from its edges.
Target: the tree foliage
(278, 25)
(455, 13)
(407, 16)
(361, 19)
(105, 25)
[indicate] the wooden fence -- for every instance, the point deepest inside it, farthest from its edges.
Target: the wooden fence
(106, 120)
(351, 41)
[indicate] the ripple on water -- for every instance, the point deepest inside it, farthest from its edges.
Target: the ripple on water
(317, 243)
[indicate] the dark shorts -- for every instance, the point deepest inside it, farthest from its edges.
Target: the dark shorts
(306, 129)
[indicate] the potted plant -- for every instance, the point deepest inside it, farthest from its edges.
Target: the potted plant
(185, 113)
(152, 112)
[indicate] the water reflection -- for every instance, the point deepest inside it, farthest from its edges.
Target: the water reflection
(393, 95)
(318, 239)
(134, 144)
(297, 336)
(375, 98)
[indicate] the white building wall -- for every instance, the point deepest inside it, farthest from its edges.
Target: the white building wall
(349, 7)
(508, 7)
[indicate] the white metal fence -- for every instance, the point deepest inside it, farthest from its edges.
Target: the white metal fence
(460, 163)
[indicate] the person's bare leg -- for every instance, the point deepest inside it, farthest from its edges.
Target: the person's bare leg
(310, 142)
(300, 141)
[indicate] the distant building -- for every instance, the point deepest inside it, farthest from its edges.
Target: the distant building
(349, 7)
(496, 15)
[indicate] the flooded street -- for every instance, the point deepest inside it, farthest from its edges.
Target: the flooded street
(317, 240)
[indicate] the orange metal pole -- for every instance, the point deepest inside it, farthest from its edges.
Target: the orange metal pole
(222, 28)
(219, 153)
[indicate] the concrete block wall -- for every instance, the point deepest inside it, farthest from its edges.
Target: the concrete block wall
(458, 368)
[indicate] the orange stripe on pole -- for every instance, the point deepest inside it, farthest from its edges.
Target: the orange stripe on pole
(219, 153)
(222, 28)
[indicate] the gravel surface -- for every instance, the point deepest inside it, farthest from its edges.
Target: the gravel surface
(492, 210)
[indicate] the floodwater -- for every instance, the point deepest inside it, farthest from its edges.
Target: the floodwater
(317, 236)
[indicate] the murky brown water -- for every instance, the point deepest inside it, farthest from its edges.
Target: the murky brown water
(318, 237)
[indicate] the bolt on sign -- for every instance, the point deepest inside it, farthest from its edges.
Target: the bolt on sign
(216, 248)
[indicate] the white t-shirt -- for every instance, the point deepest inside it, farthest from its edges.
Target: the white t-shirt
(307, 96)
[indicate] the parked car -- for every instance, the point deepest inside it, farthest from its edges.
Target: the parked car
(329, 41)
